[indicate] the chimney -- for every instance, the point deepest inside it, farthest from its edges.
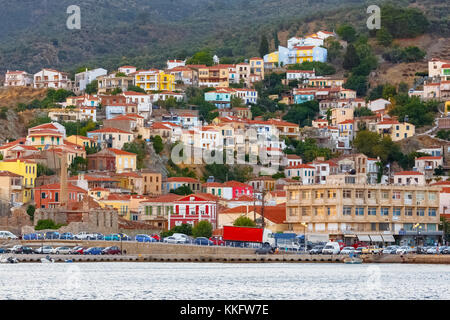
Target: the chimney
(64, 196)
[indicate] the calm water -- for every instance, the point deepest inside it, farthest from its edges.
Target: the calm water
(199, 281)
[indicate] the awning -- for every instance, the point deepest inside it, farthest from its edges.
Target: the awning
(376, 238)
(363, 237)
(350, 235)
(388, 238)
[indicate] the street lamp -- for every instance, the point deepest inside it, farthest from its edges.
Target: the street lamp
(305, 225)
(417, 227)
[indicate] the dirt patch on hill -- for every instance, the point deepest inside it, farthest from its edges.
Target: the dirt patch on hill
(10, 97)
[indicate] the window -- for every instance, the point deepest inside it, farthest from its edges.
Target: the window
(384, 211)
(420, 196)
(359, 211)
(385, 195)
(420, 212)
(331, 194)
(396, 195)
(305, 212)
(372, 212)
(431, 227)
(432, 196)
(306, 195)
(347, 211)
(409, 212)
(384, 226)
(397, 212)
(370, 194)
(432, 212)
(347, 194)
(360, 194)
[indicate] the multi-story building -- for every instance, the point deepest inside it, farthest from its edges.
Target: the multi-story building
(111, 82)
(339, 115)
(26, 169)
(111, 137)
(154, 80)
(112, 160)
(82, 79)
(152, 182)
(428, 164)
(49, 78)
(18, 79)
(364, 212)
(11, 189)
(49, 196)
(257, 67)
(396, 130)
(215, 76)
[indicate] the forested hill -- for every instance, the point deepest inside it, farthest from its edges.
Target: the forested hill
(146, 32)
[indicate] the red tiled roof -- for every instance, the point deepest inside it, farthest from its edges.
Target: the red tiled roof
(429, 158)
(182, 179)
(109, 130)
(408, 173)
(300, 166)
(121, 152)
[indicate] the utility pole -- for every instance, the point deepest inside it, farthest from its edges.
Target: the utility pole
(263, 223)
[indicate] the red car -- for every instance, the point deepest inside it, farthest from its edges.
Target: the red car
(78, 250)
(217, 241)
(111, 250)
(155, 236)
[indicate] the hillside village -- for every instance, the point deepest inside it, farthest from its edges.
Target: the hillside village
(326, 155)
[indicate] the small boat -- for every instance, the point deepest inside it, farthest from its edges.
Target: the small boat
(9, 260)
(68, 260)
(47, 259)
(353, 259)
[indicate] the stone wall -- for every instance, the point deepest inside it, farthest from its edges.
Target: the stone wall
(14, 220)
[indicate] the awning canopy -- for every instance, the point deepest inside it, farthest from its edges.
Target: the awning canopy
(363, 237)
(388, 238)
(376, 238)
(349, 235)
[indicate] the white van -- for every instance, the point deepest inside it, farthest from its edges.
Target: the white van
(182, 236)
(6, 235)
(331, 248)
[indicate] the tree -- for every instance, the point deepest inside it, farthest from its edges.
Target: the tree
(237, 102)
(384, 37)
(334, 50)
(182, 191)
(363, 112)
(92, 88)
(202, 229)
(264, 46)
(136, 89)
(303, 114)
(276, 41)
(30, 211)
(43, 170)
(389, 91)
(357, 83)
(346, 32)
(116, 91)
(243, 221)
(351, 58)
(47, 224)
(202, 57)
(158, 144)
(78, 164)
(417, 112)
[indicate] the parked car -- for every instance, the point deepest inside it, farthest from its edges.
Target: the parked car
(172, 239)
(156, 237)
(359, 250)
(112, 237)
(85, 236)
(17, 249)
(347, 250)
(316, 250)
(52, 235)
(411, 250)
(30, 236)
(112, 250)
(93, 251)
(402, 250)
(217, 241)
(66, 236)
(433, 250)
(446, 250)
(264, 250)
(2, 250)
(7, 235)
(78, 250)
(202, 241)
(44, 250)
(372, 250)
(390, 250)
(144, 238)
(331, 248)
(27, 250)
(124, 237)
(62, 250)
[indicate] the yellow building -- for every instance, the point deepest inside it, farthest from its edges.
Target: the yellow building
(339, 115)
(44, 138)
(271, 60)
(447, 107)
(119, 202)
(154, 80)
(304, 53)
(125, 161)
(257, 67)
(166, 81)
(82, 141)
(396, 130)
(25, 168)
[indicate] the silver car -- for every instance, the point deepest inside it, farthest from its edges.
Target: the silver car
(390, 250)
(402, 250)
(62, 250)
(44, 250)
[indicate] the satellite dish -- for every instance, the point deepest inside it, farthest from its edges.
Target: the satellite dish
(353, 171)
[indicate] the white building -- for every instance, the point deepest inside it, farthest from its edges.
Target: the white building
(300, 74)
(18, 79)
(49, 78)
(378, 105)
(82, 79)
(127, 70)
(142, 100)
(175, 63)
